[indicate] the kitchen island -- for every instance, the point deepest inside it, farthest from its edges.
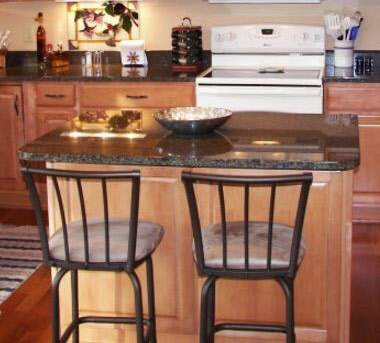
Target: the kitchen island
(249, 143)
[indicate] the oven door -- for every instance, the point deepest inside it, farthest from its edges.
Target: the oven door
(293, 99)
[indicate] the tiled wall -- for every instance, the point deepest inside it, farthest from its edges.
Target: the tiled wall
(159, 16)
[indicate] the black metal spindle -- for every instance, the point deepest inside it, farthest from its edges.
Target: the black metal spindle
(133, 217)
(224, 223)
(36, 203)
(195, 223)
(106, 221)
(66, 243)
(84, 221)
(270, 226)
(246, 234)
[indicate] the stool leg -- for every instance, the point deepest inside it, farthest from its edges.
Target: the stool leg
(288, 288)
(151, 303)
(138, 305)
(211, 313)
(55, 305)
(74, 303)
(207, 286)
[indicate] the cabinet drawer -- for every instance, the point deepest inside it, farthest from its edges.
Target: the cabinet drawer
(55, 94)
(349, 98)
(137, 95)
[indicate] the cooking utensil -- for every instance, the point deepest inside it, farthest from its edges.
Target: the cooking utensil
(4, 41)
(333, 24)
(192, 120)
(345, 27)
(354, 32)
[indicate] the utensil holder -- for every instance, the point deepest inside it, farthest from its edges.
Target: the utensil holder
(344, 53)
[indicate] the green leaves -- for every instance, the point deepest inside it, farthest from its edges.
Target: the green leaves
(79, 14)
(127, 23)
(119, 8)
(109, 9)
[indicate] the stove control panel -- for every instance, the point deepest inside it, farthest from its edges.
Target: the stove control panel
(276, 38)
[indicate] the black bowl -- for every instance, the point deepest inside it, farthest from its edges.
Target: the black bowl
(192, 120)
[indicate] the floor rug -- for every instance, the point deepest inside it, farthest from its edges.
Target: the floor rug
(20, 254)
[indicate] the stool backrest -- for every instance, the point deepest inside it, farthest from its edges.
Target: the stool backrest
(301, 182)
(33, 175)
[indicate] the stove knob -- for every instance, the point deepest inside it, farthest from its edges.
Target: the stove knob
(231, 36)
(219, 37)
(317, 38)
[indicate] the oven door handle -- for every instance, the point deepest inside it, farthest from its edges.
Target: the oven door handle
(259, 90)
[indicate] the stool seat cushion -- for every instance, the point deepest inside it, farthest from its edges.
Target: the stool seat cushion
(149, 236)
(258, 240)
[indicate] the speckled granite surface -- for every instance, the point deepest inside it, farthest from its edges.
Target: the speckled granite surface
(353, 74)
(247, 140)
(22, 66)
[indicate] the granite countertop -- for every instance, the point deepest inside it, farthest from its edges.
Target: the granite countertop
(109, 72)
(353, 74)
(22, 66)
(247, 140)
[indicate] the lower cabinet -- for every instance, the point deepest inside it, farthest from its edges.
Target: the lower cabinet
(31, 109)
(12, 189)
(362, 99)
(322, 283)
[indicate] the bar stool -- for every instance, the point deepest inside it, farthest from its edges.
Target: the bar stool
(247, 249)
(99, 244)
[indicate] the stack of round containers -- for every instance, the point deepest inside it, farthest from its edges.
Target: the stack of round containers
(186, 46)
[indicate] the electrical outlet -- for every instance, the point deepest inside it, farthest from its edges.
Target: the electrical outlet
(28, 34)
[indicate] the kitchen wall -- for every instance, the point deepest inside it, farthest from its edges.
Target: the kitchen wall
(159, 16)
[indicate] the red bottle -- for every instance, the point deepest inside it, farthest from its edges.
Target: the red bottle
(41, 39)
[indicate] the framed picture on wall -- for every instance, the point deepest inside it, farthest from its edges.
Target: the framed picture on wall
(100, 26)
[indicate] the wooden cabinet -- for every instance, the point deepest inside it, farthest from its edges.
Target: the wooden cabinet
(12, 189)
(364, 100)
(322, 284)
(136, 95)
(35, 108)
(48, 105)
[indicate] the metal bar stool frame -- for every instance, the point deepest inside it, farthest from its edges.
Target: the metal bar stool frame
(284, 276)
(66, 265)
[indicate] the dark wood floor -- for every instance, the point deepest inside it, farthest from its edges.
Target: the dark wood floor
(25, 316)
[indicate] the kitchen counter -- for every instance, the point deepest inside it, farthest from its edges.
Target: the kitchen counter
(23, 67)
(110, 72)
(334, 74)
(247, 140)
(247, 144)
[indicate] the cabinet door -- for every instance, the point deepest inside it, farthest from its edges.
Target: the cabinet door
(363, 100)
(48, 120)
(367, 175)
(11, 137)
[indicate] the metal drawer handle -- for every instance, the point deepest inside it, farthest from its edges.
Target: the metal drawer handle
(55, 96)
(136, 96)
(16, 104)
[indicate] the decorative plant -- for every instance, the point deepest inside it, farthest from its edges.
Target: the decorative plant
(91, 18)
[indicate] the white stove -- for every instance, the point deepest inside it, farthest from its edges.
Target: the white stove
(276, 68)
